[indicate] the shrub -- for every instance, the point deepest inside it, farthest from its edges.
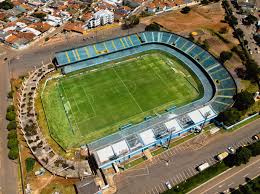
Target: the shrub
(29, 162)
(13, 153)
(10, 94)
(185, 10)
(12, 134)
(10, 116)
(11, 125)
(10, 108)
(152, 27)
(12, 143)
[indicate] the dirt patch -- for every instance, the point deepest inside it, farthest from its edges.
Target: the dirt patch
(200, 17)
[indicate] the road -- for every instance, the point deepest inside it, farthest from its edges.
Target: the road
(150, 177)
(8, 168)
(249, 32)
(231, 178)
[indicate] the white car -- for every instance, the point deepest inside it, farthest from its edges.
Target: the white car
(168, 184)
(231, 150)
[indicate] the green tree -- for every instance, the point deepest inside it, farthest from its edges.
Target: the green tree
(242, 156)
(252, 70)
(12, 134)
(153, 27)
(244, 100)
(10, 108)
(240, 33)
(185, 10)
(11, 125)
(13, 153)
(39, 15)
(230, 116)
(10, 116)
(250, 19)
(7, 4)
(224, 56)
(29, 163)
(255, 148)
(12, 143)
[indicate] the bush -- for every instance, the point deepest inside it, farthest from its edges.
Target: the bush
(10, 116)
(12, 143)
(10, 108)
(11, 125)
(224, 56)
(29, 162)
(152, 27)
(185, 10)
(13, 153)
(12, 134)
(10, 94)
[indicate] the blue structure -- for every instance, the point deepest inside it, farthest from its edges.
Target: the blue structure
(218, 85)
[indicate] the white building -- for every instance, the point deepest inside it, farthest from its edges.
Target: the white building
(100, 18)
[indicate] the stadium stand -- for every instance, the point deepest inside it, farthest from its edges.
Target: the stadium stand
(218, 85)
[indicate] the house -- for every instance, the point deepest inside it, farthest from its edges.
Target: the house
(114, 2)
(74, 27)
(53, 20)
(40, 26)
(101, 17)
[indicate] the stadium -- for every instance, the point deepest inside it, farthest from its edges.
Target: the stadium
(124, 95)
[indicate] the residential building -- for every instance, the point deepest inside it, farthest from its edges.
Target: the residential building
(100, 18)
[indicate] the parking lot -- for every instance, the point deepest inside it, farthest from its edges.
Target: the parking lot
(179, 163)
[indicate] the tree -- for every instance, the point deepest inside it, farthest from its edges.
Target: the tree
(13, 153)
(10, 116)
(242, 156)
(224, 56)
(223, 30)
(253, 70)
(10, 108)
(39, 15)
(7, 4)
(12, 134)
(29, 163)
(11, 125)
(12, 143)
(241, 72)
(250, 19)
(232, 20)
(130, 22)
(204, 2)
(257, 38)
(152, 27)
(244, 100)
(185, 10)
(240, 33)
(255, 148)
(230, 116)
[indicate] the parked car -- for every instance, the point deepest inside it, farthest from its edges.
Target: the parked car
(168, 184)
(231, 150)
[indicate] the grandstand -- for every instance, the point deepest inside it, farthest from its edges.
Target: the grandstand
(218, 85)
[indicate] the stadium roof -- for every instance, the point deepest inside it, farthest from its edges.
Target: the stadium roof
(173, 125)
(147, 137)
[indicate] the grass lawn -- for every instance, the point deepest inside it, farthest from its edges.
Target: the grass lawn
(83, 107)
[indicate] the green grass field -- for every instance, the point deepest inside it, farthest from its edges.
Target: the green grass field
(83, 107)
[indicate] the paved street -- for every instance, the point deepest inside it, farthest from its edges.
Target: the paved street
(231, 178)
(182, 161)
(9, 169)
(248, 32)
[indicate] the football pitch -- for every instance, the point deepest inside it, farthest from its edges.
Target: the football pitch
(88, 105)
